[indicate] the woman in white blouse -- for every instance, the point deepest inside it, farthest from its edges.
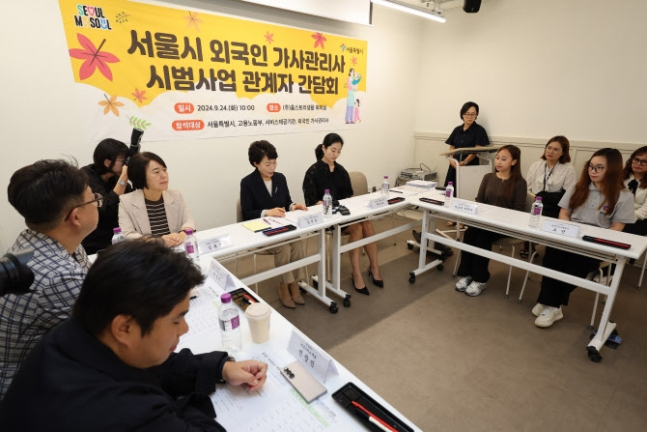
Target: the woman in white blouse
(550, 177)
(636, 182)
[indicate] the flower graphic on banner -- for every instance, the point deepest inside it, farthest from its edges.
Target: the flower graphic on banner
(93, 57)
(110, 104)
(353, 60)
(319, 39)
(139, 95)
(193, 20)
(269, 37)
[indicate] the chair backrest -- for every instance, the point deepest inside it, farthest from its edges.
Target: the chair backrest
(358, 182)
(239, 211)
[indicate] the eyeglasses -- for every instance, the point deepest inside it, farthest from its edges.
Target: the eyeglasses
(98, 198)
(641, 162)
(597, 168)
(470, 115)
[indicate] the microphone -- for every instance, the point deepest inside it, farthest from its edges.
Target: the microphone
(135, 140)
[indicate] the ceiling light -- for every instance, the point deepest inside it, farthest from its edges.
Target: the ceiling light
(418, 11)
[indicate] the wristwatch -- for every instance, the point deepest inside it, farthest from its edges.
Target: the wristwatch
(122, 183)
(228, 359)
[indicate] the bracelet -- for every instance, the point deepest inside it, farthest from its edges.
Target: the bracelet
(122, 183)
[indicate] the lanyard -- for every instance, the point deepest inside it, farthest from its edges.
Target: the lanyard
(546, 177)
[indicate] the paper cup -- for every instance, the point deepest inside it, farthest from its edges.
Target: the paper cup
(258, 317)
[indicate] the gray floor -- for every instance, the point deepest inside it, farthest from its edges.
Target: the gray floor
(451, 362)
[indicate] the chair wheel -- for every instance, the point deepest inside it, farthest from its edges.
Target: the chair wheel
(506, 296)
(519, 301)
(409, 246)
(315, 284)
(440, 267)
(412, 278)
(594, 354)
(333, 308)
(346, 302)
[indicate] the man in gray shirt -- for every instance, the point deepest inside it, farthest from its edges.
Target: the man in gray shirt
(59, 210)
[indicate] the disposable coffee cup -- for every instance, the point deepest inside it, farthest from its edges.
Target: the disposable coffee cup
(258, 317)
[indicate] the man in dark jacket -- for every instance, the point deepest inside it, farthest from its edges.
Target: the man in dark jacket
(112, 366)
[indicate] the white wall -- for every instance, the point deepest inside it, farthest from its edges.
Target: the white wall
(539, 68)
(39, 118)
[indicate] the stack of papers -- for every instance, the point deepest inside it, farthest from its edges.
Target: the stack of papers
(422, 184)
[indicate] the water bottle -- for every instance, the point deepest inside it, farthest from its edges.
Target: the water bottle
(118, 237)
(191, 245)
(385, 187)
(327, 204)
(535, 213)
(229, 322)
(449, 194)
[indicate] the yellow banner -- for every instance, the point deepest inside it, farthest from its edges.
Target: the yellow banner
(171, 71)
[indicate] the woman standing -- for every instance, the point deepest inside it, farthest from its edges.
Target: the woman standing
(265, 192)
(598, 198)
(550, 177)
(469, 134)
(505, 188)
(636, 182)
(326, 173)
(153, 210)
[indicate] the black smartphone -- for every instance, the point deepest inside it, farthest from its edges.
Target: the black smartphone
(432, 201)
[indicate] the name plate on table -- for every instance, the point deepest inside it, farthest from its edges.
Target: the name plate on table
(560, 228)
(221, 276)
(214, 243)
(464, 207)
(317, 362)
(378, 203)
(308, 220)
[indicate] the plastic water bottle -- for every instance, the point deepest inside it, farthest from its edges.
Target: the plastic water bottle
(449, 194)
(327, 204)
(191, 245)
(118, 237)
(385, 187)
(535, 213)
(229, 322)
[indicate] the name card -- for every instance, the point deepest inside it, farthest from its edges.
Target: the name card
(214, 243)
(221, 276)
(317, 362)
(378, 203)
(561, 228)
(308, 220)
(464, 207)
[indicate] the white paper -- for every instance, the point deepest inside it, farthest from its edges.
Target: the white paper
(276, 407)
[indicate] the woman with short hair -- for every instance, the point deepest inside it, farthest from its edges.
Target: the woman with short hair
(153, 209)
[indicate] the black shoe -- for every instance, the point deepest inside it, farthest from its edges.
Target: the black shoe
(363, 290)
(377, 282)
(444, 250)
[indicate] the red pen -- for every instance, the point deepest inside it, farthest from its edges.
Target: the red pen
(250, 298)
(370, 414)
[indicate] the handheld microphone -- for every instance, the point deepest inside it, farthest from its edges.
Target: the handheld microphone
(135, 140)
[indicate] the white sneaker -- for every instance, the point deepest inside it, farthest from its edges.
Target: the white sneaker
(548, 316)
(462, 283)
(474, 289)
(538, 309)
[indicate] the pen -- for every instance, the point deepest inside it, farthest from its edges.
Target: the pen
(396, 191)
(373, 416)
(266, 221)
(370, 419)
(249, 298)
(193, 297)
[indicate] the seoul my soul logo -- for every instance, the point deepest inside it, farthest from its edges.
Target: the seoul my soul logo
(91, 17)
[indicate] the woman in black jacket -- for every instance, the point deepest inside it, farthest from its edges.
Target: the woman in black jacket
(265, 193)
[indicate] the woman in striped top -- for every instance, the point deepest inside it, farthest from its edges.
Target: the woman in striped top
(153, 210)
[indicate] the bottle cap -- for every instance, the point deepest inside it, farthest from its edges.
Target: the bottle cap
(327, 191)
(386, 177)
(225, 298)
(188, 231)
(450, 183)
(116, 230)
(538, 198)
